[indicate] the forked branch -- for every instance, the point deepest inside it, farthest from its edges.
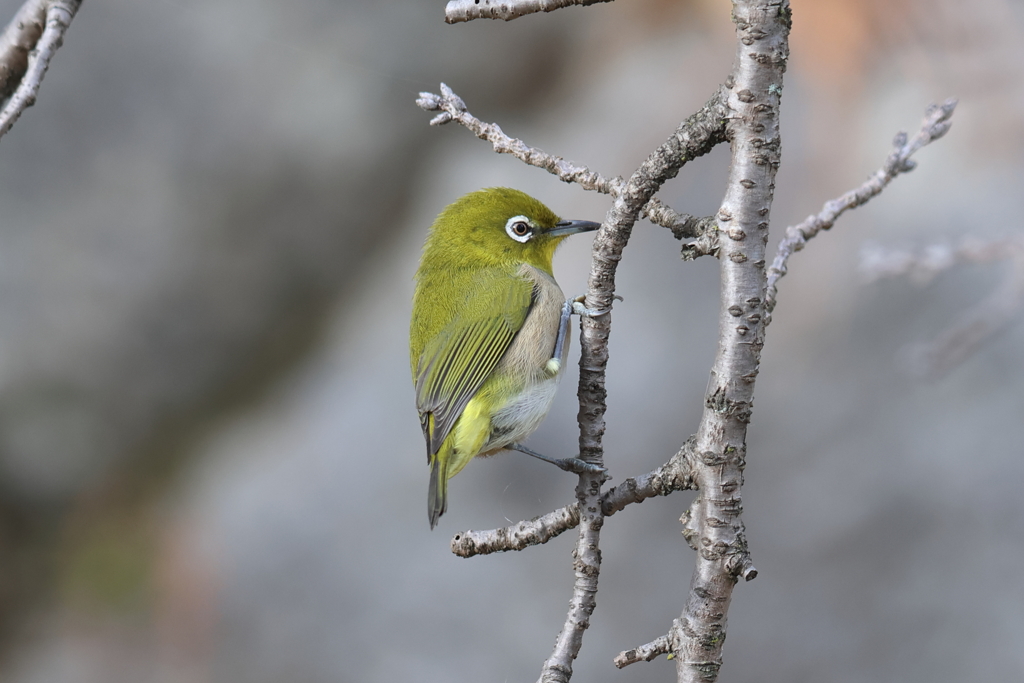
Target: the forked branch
(675, 475)
(745, 112)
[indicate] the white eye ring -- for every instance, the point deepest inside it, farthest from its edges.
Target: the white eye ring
(519, 228)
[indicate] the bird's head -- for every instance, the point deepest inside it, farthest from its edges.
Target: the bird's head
(499, 225)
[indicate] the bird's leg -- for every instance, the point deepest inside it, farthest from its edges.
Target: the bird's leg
(554, 364)
(574, 465)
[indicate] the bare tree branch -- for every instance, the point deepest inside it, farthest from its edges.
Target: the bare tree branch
(675, 475)
(935, 124)
(518, 536)
(745, 111)
(1001, 308)
(26, 47)
(694, 137)
(466, 10)
(453, 108)
(18, 39)
(713, 524)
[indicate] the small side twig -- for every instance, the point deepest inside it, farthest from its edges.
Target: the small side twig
(935, 124)
(466, 10)
(519, 536)
(451, 107)
(26, 47)
(644, 653)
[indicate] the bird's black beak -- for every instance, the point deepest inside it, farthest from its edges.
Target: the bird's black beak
(572, 227)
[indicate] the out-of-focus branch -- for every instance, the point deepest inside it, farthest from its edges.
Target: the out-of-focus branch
(26, 47)
(675, 475)
(466, 10)
(683, 226)
(18, 39)
(935, 124)
(921, 266)
(1001, 308)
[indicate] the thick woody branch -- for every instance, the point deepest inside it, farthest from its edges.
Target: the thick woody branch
(935, 124)
(26, 47)
(983, 321)
(683, 226)
(713, 525)
(675, 475)
(466, 10)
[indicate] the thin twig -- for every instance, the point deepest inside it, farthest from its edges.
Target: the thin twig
(26, 51)
(935, 124)
(467, 10)
(644, 653)
(453, 108)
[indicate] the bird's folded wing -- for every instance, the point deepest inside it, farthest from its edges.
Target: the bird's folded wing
(456, 362)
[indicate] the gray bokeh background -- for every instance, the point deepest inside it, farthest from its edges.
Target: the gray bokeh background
(210, 463)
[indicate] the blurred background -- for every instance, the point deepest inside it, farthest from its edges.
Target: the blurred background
(211, 467)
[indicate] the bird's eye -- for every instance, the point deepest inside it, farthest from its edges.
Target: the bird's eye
(519, 228)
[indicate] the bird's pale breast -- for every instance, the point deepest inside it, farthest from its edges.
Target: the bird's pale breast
(524, 365)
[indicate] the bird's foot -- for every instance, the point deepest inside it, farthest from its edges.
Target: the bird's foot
(577, 466)
(581, 310)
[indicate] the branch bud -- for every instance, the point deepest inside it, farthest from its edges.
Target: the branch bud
(452, 98)
(428, 101)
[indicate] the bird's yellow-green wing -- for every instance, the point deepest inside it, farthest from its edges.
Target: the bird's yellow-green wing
(457, 360)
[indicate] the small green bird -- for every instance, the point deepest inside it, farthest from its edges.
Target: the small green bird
(488, 334)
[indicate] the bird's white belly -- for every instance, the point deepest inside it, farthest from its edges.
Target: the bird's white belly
(521, 416)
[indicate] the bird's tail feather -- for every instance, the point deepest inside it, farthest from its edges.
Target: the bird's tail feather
(437, 493)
